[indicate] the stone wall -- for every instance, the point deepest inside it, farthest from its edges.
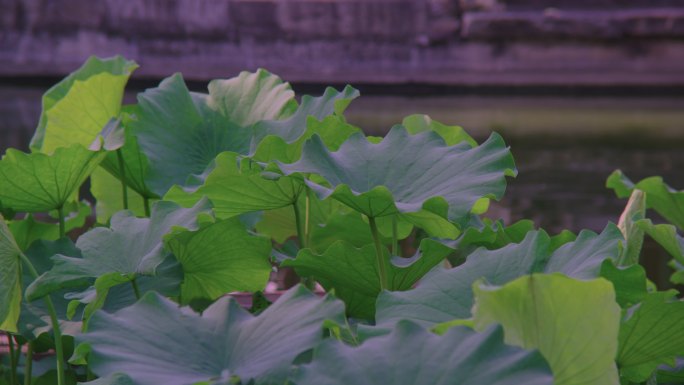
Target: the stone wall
(466, 42)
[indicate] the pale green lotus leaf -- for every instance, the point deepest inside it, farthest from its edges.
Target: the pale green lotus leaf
(251, 97)
(578, 339)
(76, 109)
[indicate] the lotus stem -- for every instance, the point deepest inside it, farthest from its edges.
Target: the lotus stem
(146, 203)
(28, 368)
(136, 289)
(309, 282)
(57, 331)
(13, 360)
(62, 225)
(395, 236)
(380, 257)
(122, 176)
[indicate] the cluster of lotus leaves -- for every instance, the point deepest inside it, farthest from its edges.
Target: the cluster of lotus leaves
(216, 186)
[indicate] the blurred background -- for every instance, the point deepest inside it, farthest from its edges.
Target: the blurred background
(578, 88)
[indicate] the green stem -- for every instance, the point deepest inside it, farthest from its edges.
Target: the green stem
(13, 360)
(28, 368)
(122, 175)
(307, 217)
(59, 349)
(380, 257)
(395, 236)
(309, 282)
(136, 289)
(146, 202)
(62, 224)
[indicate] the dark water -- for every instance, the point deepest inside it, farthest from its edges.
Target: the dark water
(564, 147)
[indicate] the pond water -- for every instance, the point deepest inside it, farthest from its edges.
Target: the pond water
(564, 147)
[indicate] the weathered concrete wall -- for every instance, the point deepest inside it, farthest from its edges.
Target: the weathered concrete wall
(471, 42)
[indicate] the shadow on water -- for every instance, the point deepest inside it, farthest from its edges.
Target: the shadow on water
(564, 146)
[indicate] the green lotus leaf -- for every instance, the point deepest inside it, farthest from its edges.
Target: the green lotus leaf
(107, 192)
(213, 346)
(446, 294)
(280, 224)
(352, 272)
(130, 247)
(283, 139)
(666, 235)
(630, 283)
(28, 230)
(451, 134)
(110, 293)
(251, 97)
(220, 258)
(180, 135)
(578, 339)
(39, 182)
(135, 164)
(76, 109)
(236, 186)
(34, 321)
(665, 200)
(673, 373)
(411, 355)
(407, 173)
(10, 279)
(651, 336)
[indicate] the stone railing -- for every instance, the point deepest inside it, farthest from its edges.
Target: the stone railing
(467, 42)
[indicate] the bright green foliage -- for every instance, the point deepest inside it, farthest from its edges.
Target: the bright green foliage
(107, 191)
(579, 340)
(225, 341)
(652, 335)
(28, 230)
(447, 294)
(451, 134)
(283, 139)
(629, 282)
(220, 258)
(659, 196)
(252, 97)
(428, 176)
(410, 355)
(182, 132)
(251, 182)
(236, 187)
(666, 235)
(76, 109)
(39, 182)
(353, 272)
(130, 247)
(10, 279)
